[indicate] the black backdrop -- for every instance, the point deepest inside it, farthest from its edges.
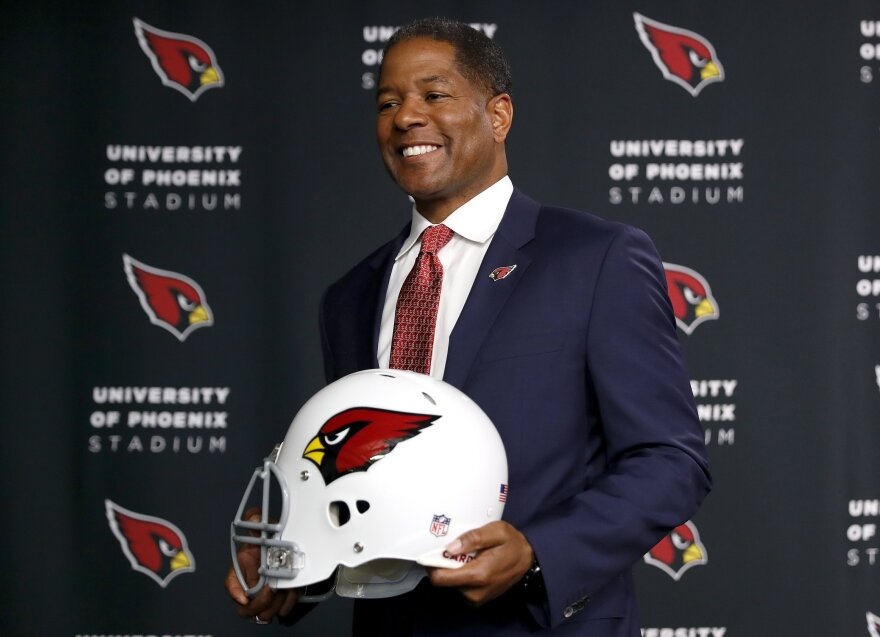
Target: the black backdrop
(788, 241)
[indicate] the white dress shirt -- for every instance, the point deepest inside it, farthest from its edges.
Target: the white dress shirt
(474, 225)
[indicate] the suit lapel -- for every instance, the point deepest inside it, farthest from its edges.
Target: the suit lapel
(487, 297)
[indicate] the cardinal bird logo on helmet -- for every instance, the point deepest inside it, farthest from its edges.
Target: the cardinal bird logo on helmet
(183, 62)
(172, 301)
(678, 551)
(692, 300)
(356, 438)
(684, 57)
(154, 546)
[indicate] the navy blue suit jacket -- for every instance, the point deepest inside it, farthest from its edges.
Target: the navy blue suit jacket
(575, 358)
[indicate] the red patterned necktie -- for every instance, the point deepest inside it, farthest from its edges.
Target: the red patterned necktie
(416, 313)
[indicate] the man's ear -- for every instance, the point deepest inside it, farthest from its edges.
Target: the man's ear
(500, 109)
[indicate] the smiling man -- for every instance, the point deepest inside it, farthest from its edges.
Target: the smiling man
(557, 323)
(441, 135)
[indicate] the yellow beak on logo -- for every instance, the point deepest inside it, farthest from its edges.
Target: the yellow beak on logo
(692, 553)
(704, 308)
(710, 70)
(209, 76)
(198, 315)
(314, 451)
(181, 560)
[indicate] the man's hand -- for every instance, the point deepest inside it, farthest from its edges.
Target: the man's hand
(504, 556)
(267, 603)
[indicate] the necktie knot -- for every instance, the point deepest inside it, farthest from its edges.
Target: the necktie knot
(434, 238)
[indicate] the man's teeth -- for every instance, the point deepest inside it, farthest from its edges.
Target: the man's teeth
(411, 151)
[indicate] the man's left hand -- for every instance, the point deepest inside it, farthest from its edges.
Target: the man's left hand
(503, 557)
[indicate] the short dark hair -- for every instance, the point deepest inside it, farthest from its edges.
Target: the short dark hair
(480, 59)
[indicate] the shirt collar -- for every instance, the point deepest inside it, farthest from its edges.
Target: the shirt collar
(476, 220)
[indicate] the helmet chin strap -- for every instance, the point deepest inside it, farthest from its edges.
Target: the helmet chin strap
(316, 593)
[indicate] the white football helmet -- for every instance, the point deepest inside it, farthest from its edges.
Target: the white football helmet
(379, 471)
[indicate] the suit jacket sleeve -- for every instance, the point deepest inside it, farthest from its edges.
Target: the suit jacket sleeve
(656, 472)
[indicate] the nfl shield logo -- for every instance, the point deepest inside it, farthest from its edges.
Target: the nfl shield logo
(440, 525)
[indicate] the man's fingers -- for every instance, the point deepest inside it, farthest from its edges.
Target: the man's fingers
(248, 559)
(290, 597)
(259, 605)
(503, 555)
(466, 543)
(233, 587)
(463, 576)
(484, 537)
(267, 603)
(275, 604)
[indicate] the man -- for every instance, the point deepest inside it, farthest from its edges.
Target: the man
(557, 324)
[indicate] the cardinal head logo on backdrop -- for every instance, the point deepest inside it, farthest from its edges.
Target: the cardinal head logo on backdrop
(181, 61)
(684, 57)
(153, 546)
(679, 551)
(173, 301)
(873, 624)
(691, 296)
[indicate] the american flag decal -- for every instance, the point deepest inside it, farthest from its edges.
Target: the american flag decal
(502, 493)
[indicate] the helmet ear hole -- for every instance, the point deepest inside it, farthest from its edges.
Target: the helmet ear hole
(339, 512)
(362, 506)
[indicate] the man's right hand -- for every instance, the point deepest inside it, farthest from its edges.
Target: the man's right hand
(267, 603)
